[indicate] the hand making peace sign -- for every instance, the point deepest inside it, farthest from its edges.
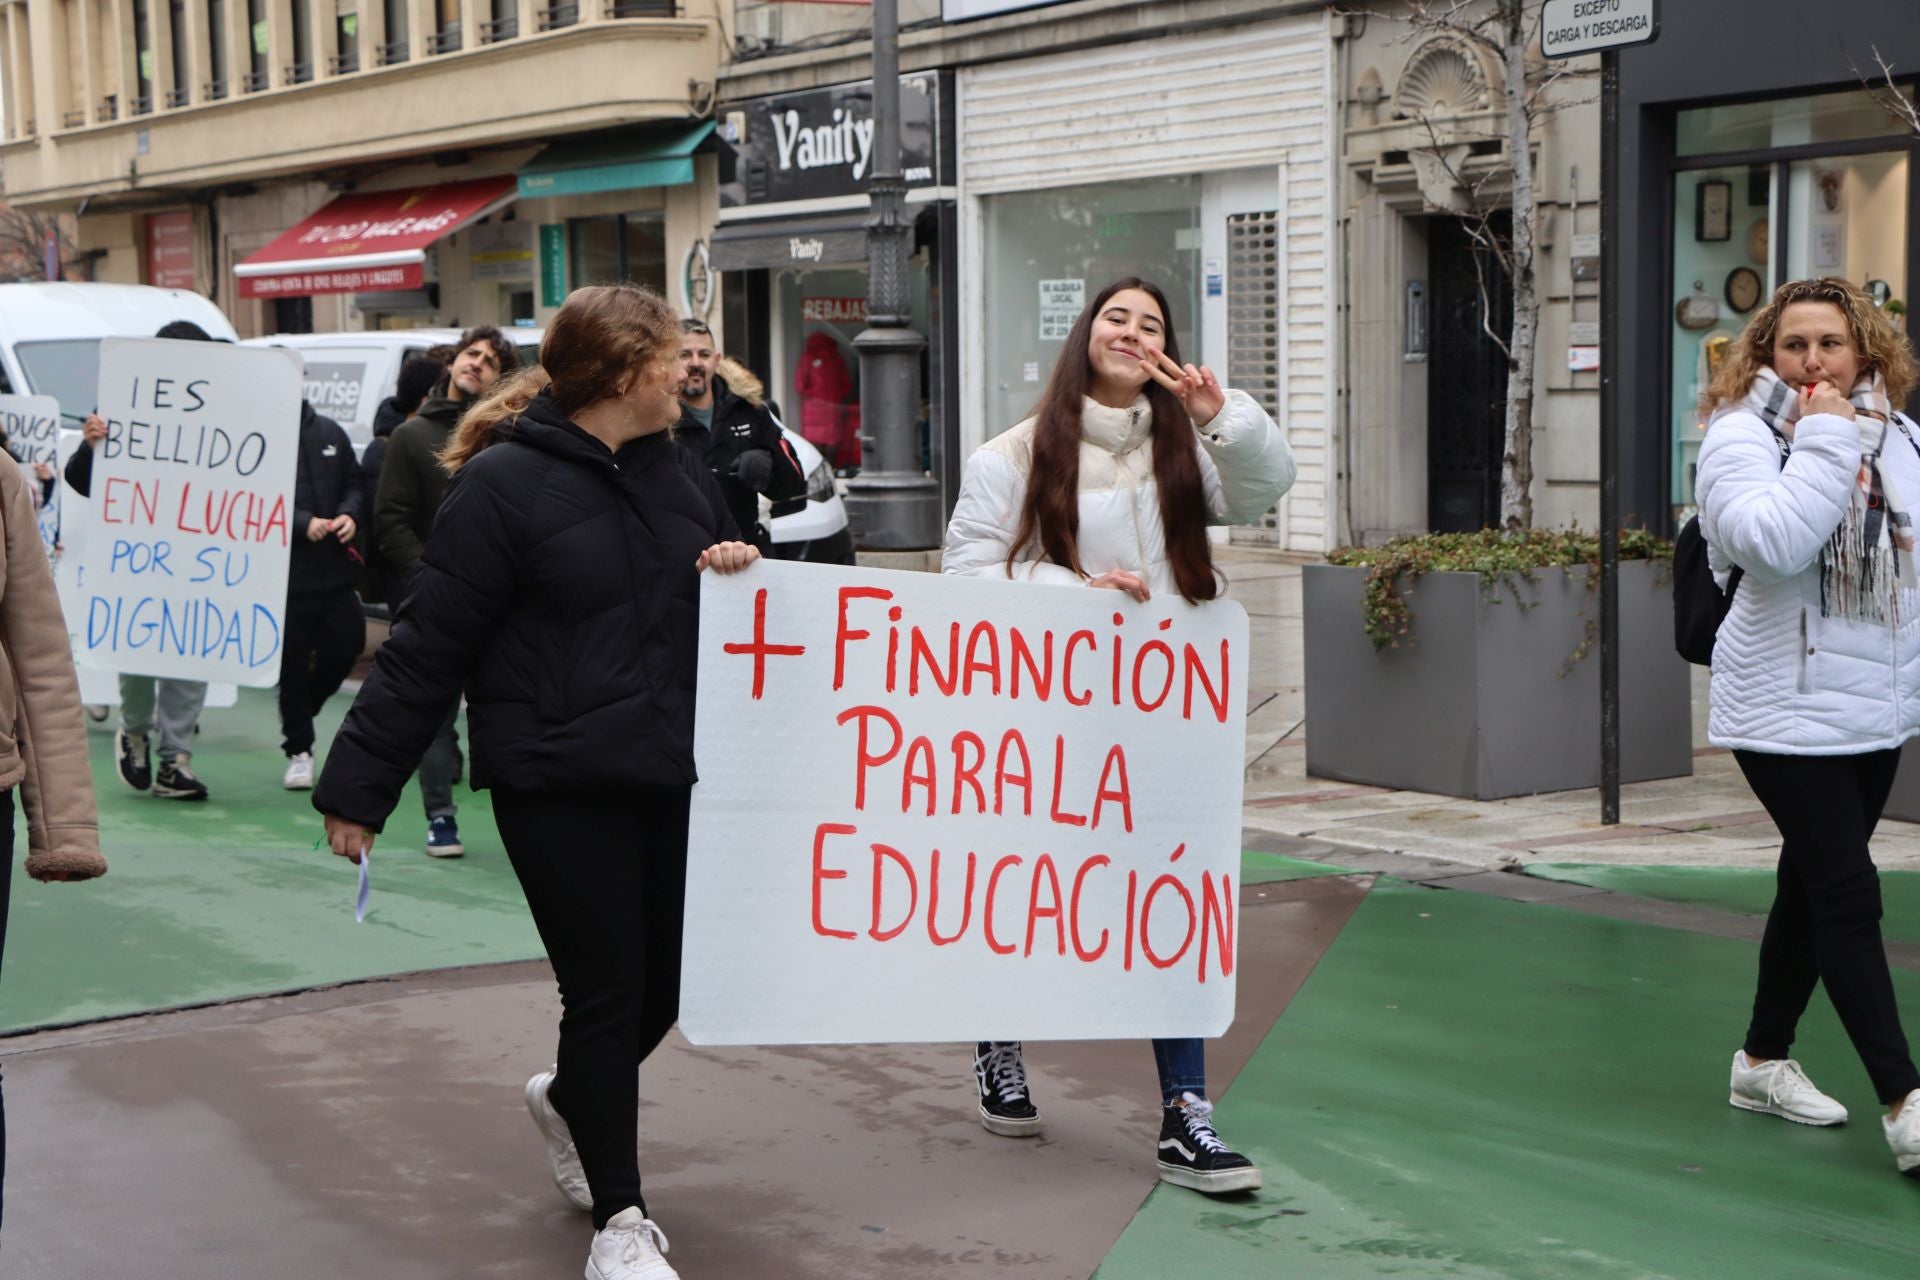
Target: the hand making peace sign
(1199, 391)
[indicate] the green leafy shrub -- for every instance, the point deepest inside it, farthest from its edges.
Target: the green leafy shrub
(1497, 556)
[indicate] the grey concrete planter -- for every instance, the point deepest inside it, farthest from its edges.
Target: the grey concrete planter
(1479, 701)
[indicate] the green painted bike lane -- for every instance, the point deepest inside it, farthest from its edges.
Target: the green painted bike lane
(1744, 889)
(235, 896)
(1471, 1087)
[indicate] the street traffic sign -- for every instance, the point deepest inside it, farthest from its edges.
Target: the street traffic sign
(1572, 27)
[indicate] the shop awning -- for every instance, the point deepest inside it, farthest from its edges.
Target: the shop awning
(369, 241)
(655, 156)
(830, 240)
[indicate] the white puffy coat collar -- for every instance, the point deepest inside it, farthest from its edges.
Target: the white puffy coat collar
(1117, 431)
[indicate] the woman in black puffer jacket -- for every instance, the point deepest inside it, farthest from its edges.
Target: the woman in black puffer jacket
(560, 589)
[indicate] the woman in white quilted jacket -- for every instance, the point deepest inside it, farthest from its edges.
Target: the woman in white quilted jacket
(1112, 483)
(1806, 482)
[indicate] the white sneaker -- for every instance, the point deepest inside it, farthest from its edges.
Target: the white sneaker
(299, 772)
(562, 1155)
(629, 1248)
(1903, 1135)
(1780, 1088)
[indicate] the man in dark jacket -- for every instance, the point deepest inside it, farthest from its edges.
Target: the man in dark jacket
(418, 376)
(326, 629)
(737, 439)
(412, 487)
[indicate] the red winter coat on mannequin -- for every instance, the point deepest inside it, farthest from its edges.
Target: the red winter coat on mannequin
(823, 382)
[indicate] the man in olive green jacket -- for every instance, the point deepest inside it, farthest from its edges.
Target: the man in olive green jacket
(412, 486)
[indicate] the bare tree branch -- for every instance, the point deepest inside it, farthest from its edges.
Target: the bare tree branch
(1894, 100)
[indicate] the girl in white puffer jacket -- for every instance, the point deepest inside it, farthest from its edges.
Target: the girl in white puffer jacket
(1112, 483)
(1816, 669)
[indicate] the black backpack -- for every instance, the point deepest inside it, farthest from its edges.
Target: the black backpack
(1699, 605)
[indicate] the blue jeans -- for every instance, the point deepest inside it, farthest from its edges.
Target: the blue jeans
(1183, 1068)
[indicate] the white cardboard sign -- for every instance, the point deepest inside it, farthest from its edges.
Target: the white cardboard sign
(192, 494)
(938, 808)
(32, 424)
(97, 686)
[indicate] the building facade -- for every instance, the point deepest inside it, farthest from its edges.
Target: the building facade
(1190, 142)
(190, 136)
(1426, 156)
(1744, 161)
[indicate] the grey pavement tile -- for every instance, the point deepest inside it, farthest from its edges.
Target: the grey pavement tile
(1520, 888)
(1410, 867)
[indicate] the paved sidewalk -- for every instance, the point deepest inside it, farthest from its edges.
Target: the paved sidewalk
(1707, 820)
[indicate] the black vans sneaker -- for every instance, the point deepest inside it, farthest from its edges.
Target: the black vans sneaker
(1192, 1155)
(133, 759)
(176, 782)
(1005, 1108)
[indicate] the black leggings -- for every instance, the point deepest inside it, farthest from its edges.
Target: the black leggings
(606, 879)
(1825, 922)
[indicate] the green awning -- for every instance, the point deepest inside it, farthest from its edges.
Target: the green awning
(656, 156)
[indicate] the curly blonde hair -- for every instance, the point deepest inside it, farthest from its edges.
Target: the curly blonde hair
(603, 334)
(1882, 348)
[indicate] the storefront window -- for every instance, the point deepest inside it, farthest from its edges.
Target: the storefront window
(816, 368)
(1785, 122)
(628, 246)
(1740, 230)
(1049, 252)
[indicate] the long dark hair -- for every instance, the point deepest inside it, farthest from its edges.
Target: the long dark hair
(1050, 514)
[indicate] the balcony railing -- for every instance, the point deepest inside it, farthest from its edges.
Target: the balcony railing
(253, 82)
(447, 39)
(642, 8)
(143, 105)
(393, 53)
(344, 64)
(559, 13)
(214, 90)
(299, 73)
(73, 120)
(178, 98)
(109, 109)
(494, 30)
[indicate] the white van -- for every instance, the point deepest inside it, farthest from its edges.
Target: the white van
(50, 334)
(350, 374)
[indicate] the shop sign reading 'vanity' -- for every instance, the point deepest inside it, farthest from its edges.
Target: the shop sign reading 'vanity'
(819, 143)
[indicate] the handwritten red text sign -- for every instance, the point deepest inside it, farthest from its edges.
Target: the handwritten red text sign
(938, 808)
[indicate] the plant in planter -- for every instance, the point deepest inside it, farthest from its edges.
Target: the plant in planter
(1451, 663)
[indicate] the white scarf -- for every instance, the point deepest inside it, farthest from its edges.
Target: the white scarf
(1868, 562)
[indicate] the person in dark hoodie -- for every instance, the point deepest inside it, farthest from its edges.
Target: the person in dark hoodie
(412, 486)
(735, 436)
(419, 374)
(560, 588)
(326, 628)
(150, 706)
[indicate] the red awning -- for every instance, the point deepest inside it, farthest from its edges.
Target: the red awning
(368, 242)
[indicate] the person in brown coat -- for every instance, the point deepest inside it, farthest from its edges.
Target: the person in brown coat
(43, 741)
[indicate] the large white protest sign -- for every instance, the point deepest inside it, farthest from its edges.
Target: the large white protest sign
(32, 426)
(192, 493)
(941, 808)
(98, 686)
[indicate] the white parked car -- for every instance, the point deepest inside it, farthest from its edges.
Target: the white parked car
(350, 374)
(50, 334)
